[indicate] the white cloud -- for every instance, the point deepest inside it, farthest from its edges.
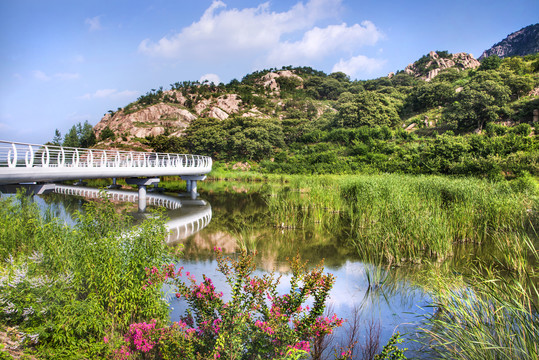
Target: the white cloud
(93, 23)
(226, 32)
(358, 64)
(212, 78)
(318, 43)
(40, 75)
(110, 93)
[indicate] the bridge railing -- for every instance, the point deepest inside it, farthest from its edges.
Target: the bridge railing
(15, 154)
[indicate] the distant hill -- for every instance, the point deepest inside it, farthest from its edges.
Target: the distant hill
(520, 43)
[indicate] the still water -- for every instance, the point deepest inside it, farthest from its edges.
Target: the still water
(239, 218)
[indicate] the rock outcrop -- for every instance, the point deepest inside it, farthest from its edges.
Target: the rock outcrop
(149, 121)
(432, 64)
(270, 79)
(520, 43)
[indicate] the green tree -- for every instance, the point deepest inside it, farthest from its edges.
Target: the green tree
(366, 108)
(480, 101)
(107, 133)
(254, 139)
(71, 138)
(492, 62)
(57, 139)
(86, 135)
(206, 136)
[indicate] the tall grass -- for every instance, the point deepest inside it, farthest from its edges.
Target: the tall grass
(411, 218)
(492, 316)
(407, 218)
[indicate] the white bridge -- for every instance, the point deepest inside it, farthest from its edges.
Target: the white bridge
(22, 163)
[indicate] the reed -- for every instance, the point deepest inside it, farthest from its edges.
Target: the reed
(403, 218)
(492, 316)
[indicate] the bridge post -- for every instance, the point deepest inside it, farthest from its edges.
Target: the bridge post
(191, 184)
(114, 185)
(142, 183)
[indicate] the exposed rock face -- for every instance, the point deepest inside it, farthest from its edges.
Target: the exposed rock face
(428, 69)
(174, 111)
(269, 80)
(255, 113)
(520, 43)
(148, 121)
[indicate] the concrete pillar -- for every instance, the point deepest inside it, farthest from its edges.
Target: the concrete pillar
(113, 185)
(191, 184)
(142, 183)
(194, 192)
(141, 198)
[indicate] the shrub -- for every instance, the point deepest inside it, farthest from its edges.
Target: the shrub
(256, 323)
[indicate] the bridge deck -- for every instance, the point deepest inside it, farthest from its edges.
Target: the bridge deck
(21, 162)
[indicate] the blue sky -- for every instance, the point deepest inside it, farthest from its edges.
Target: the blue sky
(67, 61)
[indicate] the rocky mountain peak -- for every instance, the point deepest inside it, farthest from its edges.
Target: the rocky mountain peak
(520, 43)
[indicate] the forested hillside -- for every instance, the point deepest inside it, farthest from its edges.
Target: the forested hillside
(476, 120)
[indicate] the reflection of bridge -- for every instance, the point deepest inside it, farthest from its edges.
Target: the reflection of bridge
(195, 217)
(28, 163)
(198, 217)
(169, 202)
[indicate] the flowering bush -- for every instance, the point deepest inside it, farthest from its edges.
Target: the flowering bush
(256, 323)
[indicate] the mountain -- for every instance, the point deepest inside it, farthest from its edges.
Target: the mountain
(430, 65)
(520, 43)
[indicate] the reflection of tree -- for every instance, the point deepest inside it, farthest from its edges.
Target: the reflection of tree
(69, 203)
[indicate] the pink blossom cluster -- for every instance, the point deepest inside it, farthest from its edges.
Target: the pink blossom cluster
(158, 276)
(265, 327)
(302, 345)
(324, 325)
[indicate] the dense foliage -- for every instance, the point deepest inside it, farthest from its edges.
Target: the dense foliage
(64, 289)
(320, 123)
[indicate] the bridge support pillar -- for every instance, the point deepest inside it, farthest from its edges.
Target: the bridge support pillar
(142, 183)
(114, 185)
(191, 184)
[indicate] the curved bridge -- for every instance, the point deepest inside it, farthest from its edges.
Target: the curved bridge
(22, 163)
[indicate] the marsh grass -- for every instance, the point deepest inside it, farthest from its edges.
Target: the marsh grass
(404, 218)
(493, 317)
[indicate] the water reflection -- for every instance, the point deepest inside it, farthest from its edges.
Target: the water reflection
(235, 221)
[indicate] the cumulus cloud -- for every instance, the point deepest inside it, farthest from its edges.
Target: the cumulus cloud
(211, 78)
(358, 64)
(318, 43)
(302, 34)
(93, 23)
(228, 32)
(110, 93)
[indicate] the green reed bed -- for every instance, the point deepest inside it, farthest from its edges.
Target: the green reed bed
(408, 218)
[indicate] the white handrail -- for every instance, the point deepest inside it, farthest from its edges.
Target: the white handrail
(40, 159)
